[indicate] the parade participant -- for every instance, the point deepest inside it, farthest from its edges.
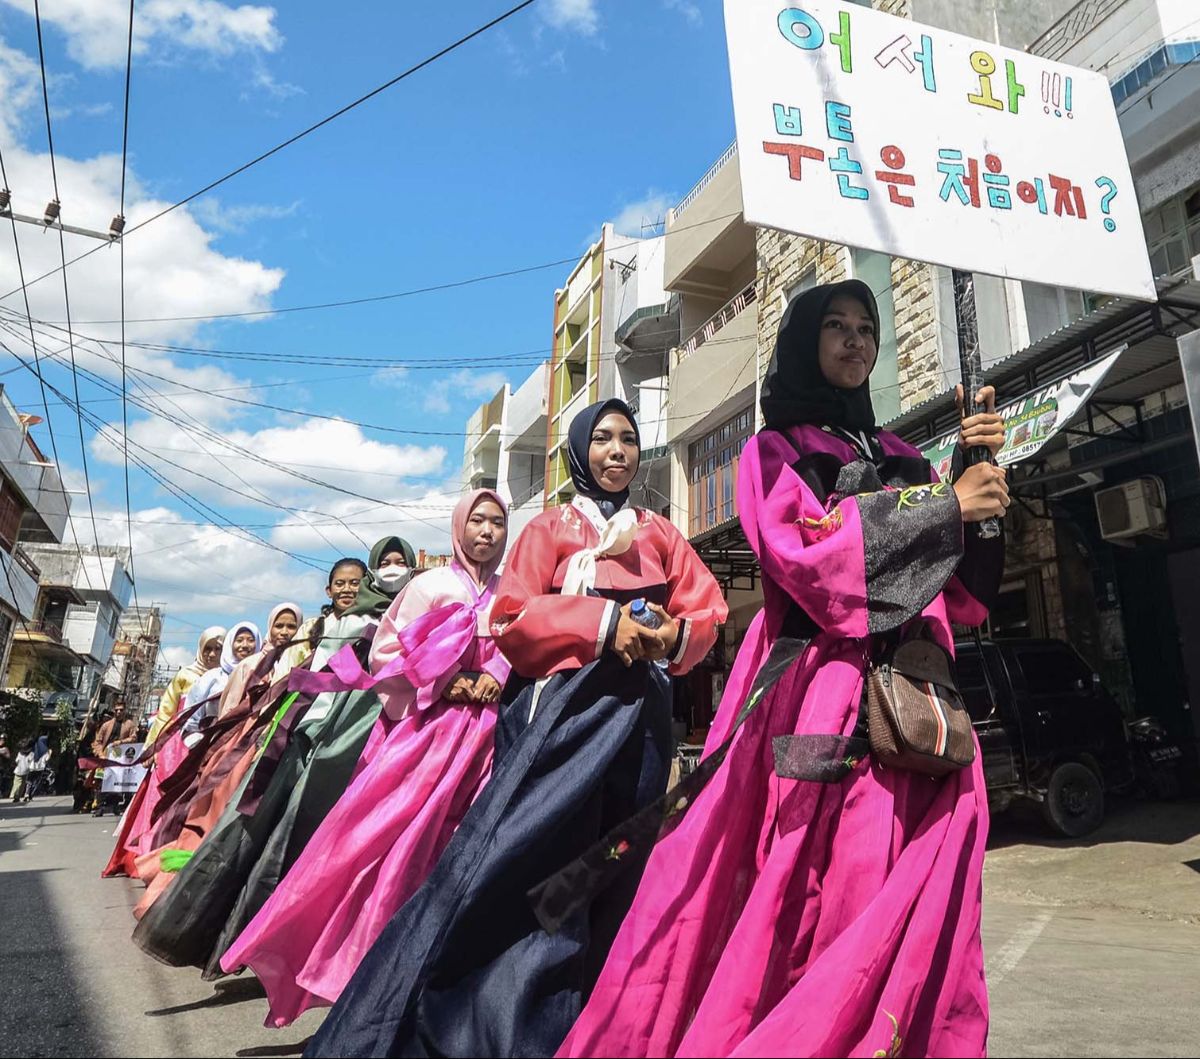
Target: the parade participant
(345, 578)
(432, 752)
(261, 831)
(141, 810)
(812, 901)
(231, 749)
(190, 747)
(584, 740)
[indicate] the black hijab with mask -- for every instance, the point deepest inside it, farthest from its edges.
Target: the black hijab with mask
(579, 445)
(795, 389)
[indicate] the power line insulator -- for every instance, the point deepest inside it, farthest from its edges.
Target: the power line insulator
(5, 199)
(53, 208)
(117, 227)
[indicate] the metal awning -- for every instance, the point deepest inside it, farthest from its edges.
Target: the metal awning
(725, 551)
(1150, 363)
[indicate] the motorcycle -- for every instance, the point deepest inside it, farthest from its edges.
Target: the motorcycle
(1156, 757)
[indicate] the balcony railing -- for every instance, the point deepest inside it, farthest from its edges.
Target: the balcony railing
(538, 489)
(718, 320)
(52, 629)
(705, 180)
(1072, 27)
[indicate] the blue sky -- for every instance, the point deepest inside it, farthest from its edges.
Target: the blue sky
(508, 153)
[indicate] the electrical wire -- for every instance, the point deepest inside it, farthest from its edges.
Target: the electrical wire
(66, 289)
(300, 135)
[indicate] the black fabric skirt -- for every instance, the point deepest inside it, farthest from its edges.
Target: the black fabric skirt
(464, 968)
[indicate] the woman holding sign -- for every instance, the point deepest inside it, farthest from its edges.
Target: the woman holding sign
(812, 900)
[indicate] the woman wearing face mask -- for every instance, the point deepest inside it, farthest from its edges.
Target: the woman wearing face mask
(812, 901)
(279, 804)
(465, 968)
(440, 680)
(137, 817)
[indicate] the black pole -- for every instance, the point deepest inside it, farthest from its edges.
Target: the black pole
(972, 372)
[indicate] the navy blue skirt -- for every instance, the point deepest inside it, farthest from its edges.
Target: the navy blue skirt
(464, 968)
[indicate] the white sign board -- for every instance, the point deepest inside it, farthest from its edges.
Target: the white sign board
(873, 131)
(123, 780)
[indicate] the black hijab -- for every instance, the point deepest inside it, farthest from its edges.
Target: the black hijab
(795, 389)
(579, 444)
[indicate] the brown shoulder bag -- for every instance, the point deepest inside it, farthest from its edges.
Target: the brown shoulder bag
(915, 716)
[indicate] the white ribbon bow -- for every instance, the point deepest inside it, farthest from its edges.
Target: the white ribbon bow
(616, 537)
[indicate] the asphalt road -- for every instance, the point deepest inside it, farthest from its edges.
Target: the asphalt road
(1093, 947)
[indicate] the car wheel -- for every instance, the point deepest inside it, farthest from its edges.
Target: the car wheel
(1074, 804)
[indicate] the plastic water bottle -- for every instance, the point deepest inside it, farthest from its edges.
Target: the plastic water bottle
(643, 615)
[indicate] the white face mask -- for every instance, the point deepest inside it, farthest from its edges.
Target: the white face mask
(390, 578)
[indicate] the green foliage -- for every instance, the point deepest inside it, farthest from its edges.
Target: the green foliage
(20, 719)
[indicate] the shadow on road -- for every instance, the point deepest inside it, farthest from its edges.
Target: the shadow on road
(1126, 820)
(274, 1049)
(224, 993)
(43, 1010)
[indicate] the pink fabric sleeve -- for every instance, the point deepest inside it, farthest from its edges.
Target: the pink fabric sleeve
(540, 631)
(863, 565)
(694, 596)
(397, 694)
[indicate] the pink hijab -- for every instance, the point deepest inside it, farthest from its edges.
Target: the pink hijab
(458, 529)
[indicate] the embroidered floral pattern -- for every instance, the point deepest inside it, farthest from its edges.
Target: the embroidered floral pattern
(915, 495)
(618, 851)
(821, 528)
(893, 1049)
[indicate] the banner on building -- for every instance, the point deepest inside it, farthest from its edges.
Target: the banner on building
(1034, 419)
(873, 131)
(123, 780)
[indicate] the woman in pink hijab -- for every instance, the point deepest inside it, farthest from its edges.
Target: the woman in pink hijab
(440, 679)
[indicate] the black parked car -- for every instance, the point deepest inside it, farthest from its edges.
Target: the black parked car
(1047, 729)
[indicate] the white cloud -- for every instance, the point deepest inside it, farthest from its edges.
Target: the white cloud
(579, 16)
(645, 216)
(178, 657)
(687, 9)
(81, 110)
(97, 30)
(464, 383)
(266, 82)
(327, 451)
(213, 213)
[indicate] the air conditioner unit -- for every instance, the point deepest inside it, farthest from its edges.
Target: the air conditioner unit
(1132, 508)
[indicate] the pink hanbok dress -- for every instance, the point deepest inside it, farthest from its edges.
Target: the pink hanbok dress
(791, 917)
(426, 761)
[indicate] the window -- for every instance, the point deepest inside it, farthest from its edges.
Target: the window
(1173, 232)
(1049, 308)
(11, 510)
(712, 472)
(1054, 672)
(972, 683)
(807, 281)
(875, 270)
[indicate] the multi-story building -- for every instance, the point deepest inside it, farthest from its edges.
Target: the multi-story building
(1071, 572)
(613, 324)
(83, 591)
(134, 655)
(505, 447)
(33, 509)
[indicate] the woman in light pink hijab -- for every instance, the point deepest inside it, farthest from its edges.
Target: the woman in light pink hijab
(429, 757)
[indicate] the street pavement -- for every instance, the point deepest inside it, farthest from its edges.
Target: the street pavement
(1093, 946)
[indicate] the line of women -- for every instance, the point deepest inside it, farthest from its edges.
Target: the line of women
(414, 826)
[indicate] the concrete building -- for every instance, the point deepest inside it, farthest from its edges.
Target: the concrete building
(33, 509)
(134, 656)
(82, 594)
(1123, 598)
(613, 324)
(505, 447)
